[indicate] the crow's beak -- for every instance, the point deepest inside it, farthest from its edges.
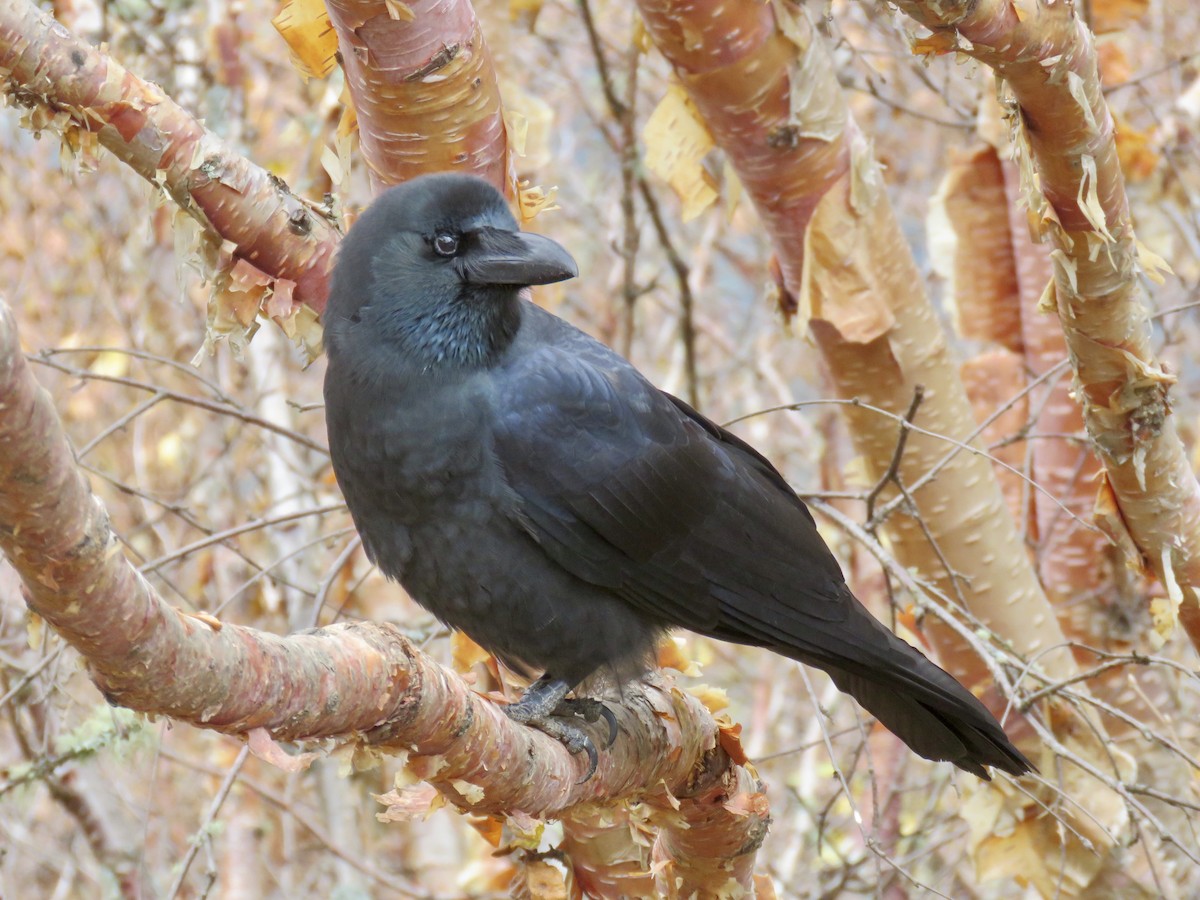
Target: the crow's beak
(516, 258)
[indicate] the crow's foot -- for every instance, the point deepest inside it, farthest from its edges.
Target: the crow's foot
(590, 710)
(545, 706)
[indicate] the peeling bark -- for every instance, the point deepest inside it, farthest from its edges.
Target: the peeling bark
(1150, 499)
(70, 86)
(766, 106)
(962, 536)
(705, 846)
(980, 271)
(1074, 561)
(842, 255)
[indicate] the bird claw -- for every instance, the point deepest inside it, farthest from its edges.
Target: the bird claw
(591, 711)
(545, 707)
(574, 738)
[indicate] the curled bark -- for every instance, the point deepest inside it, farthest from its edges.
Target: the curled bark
(1150, 500)
(842, 254)
(764, 104)
(773, 103)
(75, 88)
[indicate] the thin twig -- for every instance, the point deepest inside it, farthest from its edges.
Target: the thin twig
(268, 569)
(683, 282)
(1134, 80)
(892, 474)
(327, 582)
(629, 164)
(623, 112)
(33, 673)
(215, 406)
(177, 510)
(186, 369)
(145, 405)
(616, 107)
(221, 536)
(285, 806)
(44, 767)
(213, 808)
(958, 446)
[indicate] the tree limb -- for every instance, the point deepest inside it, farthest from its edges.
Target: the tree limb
(765, 83)
(773, 104)
(424, 89)
(1150, 501)
(73, 87)
(357, 681)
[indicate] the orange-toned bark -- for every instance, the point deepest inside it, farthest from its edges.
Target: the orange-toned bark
(880, 338)
(983, 282)
(68, 84)
(609, 849)
(784, 138)
(717, 857)
(992, 379)
(615, 852)
(423, 87)
(999, 277)
(969, 231)
(1046, 56)
(1075, 562)
(962, 536)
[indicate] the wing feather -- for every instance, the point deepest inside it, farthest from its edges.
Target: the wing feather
(629, 488)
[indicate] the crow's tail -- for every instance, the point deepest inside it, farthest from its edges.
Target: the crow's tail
(941, 721)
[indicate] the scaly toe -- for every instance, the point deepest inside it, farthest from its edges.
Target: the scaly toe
(590, 710)
(574, 738)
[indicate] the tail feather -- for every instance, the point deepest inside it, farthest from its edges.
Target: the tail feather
(961, 731)
(921, 703)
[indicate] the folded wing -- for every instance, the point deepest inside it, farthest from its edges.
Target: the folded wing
(628, 488)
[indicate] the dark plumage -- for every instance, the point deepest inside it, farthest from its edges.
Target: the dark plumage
(530, 487)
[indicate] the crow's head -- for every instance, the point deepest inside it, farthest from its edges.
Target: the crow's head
(434, 268)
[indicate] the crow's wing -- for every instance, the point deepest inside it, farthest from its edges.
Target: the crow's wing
(629, 488)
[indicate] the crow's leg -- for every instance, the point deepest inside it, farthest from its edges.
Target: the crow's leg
(545, 706)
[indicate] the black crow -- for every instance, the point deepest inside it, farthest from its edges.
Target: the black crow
(529, 486)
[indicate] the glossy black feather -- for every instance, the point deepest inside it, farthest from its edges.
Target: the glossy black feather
(529, 486)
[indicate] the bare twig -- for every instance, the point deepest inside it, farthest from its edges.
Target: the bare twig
(106, 838)
(215, 406)
(335, 569)
(28, 677)
(201, 834)
(958, 446)
(892, 473)
(221, 536)
(624, 112)
(284, 805)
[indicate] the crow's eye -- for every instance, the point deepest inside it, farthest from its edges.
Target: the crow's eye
(445, 243)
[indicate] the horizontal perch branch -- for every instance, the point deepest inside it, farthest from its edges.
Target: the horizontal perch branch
(361, 681)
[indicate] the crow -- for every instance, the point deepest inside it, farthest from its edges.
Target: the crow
(529, 486)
